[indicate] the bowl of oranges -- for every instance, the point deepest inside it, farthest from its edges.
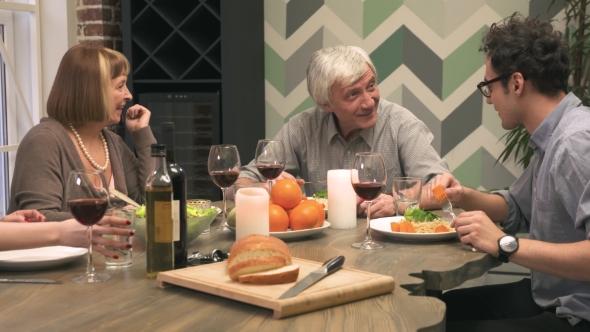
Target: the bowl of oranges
(292, 215)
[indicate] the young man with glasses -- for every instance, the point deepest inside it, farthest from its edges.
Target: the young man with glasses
(527, 70)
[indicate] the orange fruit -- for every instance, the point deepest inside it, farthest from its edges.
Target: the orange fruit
(286, 193)
(278, 218)
(319, 208)
(303, 216)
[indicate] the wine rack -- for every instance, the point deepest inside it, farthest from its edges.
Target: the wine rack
(176, 41)
(192, 47)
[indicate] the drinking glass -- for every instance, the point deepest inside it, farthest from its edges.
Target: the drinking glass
(408, 191)
(270, 159)
(368, 177)
(88, 200)
(224, 169)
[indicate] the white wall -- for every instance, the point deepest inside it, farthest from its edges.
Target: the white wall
(58, 33)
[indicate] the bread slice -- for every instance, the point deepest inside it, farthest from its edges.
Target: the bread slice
(254, 265)
(281, 275)
(257, 253)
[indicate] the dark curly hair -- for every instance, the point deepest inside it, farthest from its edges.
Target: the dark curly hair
(532, 48)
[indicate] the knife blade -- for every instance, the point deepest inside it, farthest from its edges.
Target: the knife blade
(32, 281)
(328, 268)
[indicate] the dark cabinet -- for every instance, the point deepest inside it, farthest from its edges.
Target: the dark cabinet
(196, 47)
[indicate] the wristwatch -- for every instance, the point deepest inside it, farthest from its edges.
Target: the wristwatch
(507, 245)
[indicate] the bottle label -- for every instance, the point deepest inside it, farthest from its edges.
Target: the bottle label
(176, 219)
(163, 215)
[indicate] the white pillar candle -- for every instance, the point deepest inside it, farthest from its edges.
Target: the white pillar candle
(341, 200)
(251, 212)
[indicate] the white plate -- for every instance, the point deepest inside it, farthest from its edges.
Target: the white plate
(383, 226)
(39, 258)
(289, 234)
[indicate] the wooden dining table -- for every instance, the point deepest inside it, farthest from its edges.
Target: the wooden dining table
(131, 302)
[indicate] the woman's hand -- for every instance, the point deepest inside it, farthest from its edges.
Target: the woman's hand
(137, 117)
(24, 216)
(73, 234)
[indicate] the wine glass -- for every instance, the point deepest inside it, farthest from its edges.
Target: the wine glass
(88, 200)
(224, 169)
(368, 177)
(270, 159)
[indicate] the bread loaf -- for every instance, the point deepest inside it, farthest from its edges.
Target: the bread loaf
(257, 253)
(282, 275)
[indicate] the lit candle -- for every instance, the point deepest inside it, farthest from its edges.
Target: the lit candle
(251, 212)
(341, 200)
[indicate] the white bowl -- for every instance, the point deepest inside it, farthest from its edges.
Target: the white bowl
(195, 226)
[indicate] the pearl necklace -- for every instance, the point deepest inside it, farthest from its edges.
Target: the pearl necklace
(88, 156)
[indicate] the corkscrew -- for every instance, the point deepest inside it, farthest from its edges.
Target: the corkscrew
(215, 256)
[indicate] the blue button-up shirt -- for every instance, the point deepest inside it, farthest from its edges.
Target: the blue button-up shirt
(552, 200)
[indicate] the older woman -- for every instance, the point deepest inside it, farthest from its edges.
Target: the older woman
(88, 94)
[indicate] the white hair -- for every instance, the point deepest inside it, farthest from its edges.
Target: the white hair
(343, 65)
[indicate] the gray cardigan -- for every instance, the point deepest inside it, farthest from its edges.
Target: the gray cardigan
(47, 155)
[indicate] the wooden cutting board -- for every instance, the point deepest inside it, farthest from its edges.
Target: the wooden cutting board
(345, 285)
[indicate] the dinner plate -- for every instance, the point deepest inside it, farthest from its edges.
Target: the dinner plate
(39, 258)
(383, 226)
(289, 234)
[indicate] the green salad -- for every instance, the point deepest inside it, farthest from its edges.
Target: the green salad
(417, 214)
(191, 212)
(321, 194)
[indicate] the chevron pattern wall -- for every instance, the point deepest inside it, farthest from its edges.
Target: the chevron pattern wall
(427, 59)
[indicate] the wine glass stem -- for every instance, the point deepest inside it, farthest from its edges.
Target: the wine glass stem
(90, 266)
(368, 231)
(269, 186)
(224, 221)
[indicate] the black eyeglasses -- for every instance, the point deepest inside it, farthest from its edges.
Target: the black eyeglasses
(484, 88)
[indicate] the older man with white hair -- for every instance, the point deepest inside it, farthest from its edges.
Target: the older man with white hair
(350, 117)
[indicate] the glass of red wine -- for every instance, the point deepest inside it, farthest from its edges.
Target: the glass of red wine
(270, 159)
(88, 200)
(224, 169)
(368, 177)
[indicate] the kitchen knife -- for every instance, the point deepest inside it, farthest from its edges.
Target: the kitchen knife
(328, 268)
(32, 281)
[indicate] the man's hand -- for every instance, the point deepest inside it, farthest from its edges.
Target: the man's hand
(285, 175)
(428, 201)
(455, 192)
(381, 206)
(137, 117)
(476, 229)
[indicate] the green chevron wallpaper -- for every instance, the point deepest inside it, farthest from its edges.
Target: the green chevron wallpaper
(427, 59)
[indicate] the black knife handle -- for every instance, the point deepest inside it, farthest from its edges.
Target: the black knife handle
(334, 264)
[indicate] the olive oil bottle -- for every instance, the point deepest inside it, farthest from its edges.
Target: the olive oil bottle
(159, 225)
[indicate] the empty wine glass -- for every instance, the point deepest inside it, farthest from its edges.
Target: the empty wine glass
(270, 159)
(368, 177)
(224, 169)
(88, 200)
